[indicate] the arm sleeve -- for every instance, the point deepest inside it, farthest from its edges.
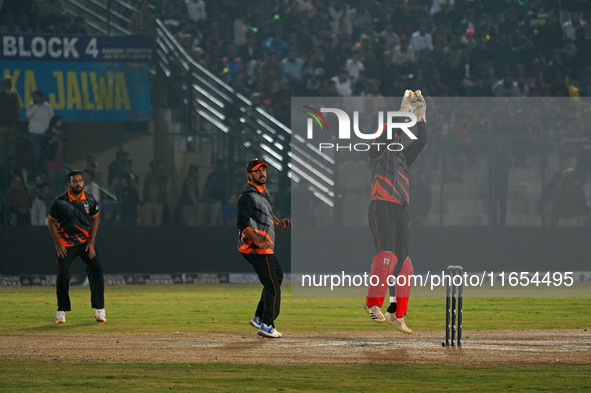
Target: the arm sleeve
(55, 211)
(413, 150)
(376, 152)
(30, 110)
(94, 209)
(245, 209)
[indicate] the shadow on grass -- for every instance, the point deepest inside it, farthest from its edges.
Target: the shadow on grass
(54, 327)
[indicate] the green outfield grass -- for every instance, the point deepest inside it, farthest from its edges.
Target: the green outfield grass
(35, 377)
(227, 308)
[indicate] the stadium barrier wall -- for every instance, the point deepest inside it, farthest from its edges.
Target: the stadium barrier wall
(29, 250)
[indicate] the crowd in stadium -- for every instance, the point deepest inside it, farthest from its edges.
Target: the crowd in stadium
(361, 48)
(271, 50)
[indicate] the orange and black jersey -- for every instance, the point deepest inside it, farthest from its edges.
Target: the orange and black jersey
(390, 169)
(73, 217)
(254, 212)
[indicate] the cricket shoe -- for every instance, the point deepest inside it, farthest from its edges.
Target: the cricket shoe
(269, 331)
(255, 323)
(60, 317)
(100, 315)
(398, 323)
(375, 313)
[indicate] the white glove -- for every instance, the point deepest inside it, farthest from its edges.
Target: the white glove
(406, 105)
(414, 102)
(419, 106)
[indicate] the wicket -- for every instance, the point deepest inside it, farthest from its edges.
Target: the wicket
(453, 308)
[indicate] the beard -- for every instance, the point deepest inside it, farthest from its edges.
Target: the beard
(260, 181)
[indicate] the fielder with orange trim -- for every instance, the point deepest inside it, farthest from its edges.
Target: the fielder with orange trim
(256, 243)
(73, 224)
(389, 220)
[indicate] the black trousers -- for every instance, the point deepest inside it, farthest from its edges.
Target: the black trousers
(94, 270)
(271, 276)
(389, 225)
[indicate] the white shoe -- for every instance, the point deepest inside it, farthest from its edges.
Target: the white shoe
(375, 313)
(60, 317)
(398, 323)
(269, 331)
(100, 315)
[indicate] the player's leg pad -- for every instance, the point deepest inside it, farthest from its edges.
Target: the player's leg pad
(403, 291)
(382, 267)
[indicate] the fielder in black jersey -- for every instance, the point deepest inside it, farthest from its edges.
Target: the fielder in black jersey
(73, 224)
(389, 220)
(256, 243)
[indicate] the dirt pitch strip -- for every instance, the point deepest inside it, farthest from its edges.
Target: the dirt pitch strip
(385, 347)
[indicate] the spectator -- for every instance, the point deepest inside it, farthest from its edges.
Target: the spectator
(499, 164)
(39, 112)
(128, 171)
(361, 19)
(241, 30)
(428, 68)
(14, 15)
(354, 66)
(78, 27)
(116, 169)
(506, 87)
(342, 84)
(292, 69)
(251, 55)
(404, 55)
(196, 10)
(155, 194)
(190, 201)
(52, 16)
(481, 55)
(304, 7)
(174, 13)
(481, 88)
(438, 5)
(11, 170)
(10, 112)
(216, 190)
(143, 20)
(271, 75)
(90, 186)
(230, 211)
(275, 44)
(421, 39)
(569, 202)
(340, 18)
(129, 202)
(53, 153)
(547, 215)
(41, 205)
(389, 38)
(314, 73)
(232, 64)
(93, 165)
(522, 88)
(17, 203)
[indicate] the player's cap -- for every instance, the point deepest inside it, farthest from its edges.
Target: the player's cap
(255, 164)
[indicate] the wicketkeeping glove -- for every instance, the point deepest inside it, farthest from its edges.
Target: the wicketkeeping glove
(414, 102)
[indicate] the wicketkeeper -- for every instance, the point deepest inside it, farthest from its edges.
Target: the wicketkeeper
(389, 220)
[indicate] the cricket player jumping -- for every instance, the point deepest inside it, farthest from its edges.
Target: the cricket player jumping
(389, 220)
